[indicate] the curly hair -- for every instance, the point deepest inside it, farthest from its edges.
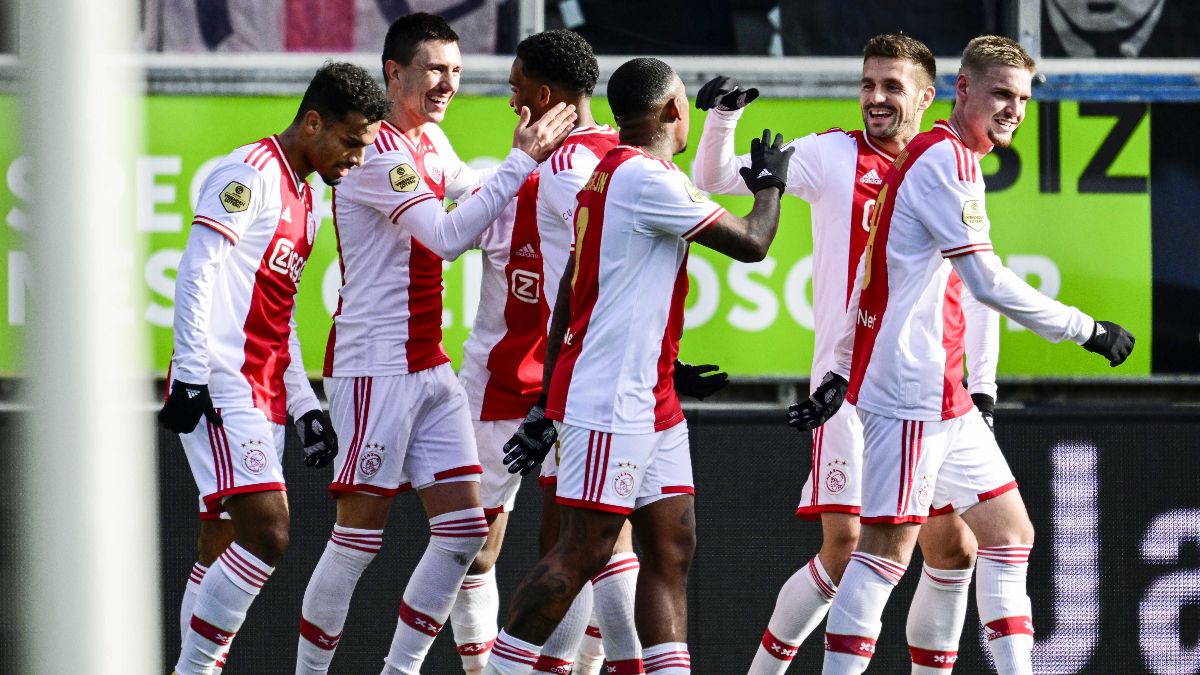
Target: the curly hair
(339, 88)
(639, 85)
(994, 50)
(901, 46)
(560, 58)
(409, 31)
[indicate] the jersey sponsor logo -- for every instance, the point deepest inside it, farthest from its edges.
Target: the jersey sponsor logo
(524, 286)
(695, 194)
(527, 251)
(568, 337)
(596, 182)
(973, 215)
(871, 178)
(285, 260)
(235, 197)
(371, 461)
(403, 178)
(433, 167)
(866, 319)
(253, 456)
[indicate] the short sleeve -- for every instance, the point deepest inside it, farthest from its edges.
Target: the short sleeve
(950, 204)
(670, 204)
(231, 198)
(389, 183)
(805, 168)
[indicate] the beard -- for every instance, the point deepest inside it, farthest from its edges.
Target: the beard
(331, 181)
(890, 131)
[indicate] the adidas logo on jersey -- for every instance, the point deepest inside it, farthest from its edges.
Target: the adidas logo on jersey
(871, 178)
(527, 251)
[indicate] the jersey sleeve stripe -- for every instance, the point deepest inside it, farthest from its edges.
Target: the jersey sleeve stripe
(399, 210)
(703, 224)
(965, 250)
(220, 227)
(256, 153)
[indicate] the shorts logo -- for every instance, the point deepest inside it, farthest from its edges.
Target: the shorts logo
(253, 457)
(235, 197)
(371, 462)
(835, 478)
(623, 484)
(403, 178)
(925, 493)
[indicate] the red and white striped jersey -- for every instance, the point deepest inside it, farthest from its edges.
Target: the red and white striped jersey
(389, 315)
(235, 301)
(908, 341)
(524, 254)
(634, 221)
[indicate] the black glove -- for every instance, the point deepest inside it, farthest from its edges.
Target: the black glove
(317, 435)
(185, 405)
(768, 163)
(724, 93)
(824, 402)
(987, 408)
(692, 380)
(533, 440)
(1111, 341)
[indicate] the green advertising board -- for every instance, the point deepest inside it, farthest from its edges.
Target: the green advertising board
(1054, 222)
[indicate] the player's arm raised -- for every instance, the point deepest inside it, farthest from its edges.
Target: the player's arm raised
(747, 239)
(716, 166)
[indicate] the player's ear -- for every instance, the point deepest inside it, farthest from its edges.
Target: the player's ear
(312, 122)
(960, 86)
(927, 96)
(671, 111)
(544, 94)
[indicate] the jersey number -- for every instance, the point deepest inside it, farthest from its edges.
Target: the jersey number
(581, 223)
(880, 202)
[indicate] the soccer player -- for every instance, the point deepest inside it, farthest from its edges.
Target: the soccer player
(391, 388)
(624, 442)
(921, 448)
(841, 173)
(525, 252)
(237, 360)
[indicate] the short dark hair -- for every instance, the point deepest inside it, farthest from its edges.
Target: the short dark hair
(639, 85)
(901, 46)
(339, 88)
(409, 31)
(560, 58)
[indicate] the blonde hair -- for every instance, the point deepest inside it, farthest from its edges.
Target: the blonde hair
(993, 50)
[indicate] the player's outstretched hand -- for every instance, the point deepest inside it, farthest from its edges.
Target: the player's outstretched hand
(694, 381)
(818, 408)
(542, 137)
(317, 435)
(768, 163)
(1111, 341)
(724, 93)
(185, 405)
(987, 409)
(532, 442)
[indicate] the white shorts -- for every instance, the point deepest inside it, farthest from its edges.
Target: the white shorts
(401, 432)
(911, 469)
(622, 472)
(834, 483)
(548, 478)
(244, 454)
(498, 488)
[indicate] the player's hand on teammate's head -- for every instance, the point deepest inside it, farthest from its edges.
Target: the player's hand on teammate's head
(822, 405)
(532, 442)
(768, 163)
(184, 407)
(1111, 341)
(318, 438)
(987, 409)
(724, 93)
(542, 137)
(696, 382)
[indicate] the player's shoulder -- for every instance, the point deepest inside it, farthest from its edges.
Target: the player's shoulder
(249, 167)
(939, 153)
(438, 138)
(581, 150)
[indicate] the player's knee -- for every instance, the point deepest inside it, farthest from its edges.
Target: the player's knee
(485, 560)
(672, 553)
(839, 544)
(269, 539)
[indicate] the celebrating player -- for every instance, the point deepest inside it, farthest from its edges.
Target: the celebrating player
(841, 173)
(921, 449)
(237, 360)
(618, 319)
(390, 385)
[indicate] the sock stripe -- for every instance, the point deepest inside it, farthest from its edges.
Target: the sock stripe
(1006, 554)
(318, 637)
(212, 633)
(778, 648)
(626, 667)
(549, 664)
(236, 563)
(503, 650)
(1009, 625)
(475, 648)
(472, 585)
(932, 658)
(888, 569)
(823, 586)
(947, 581)
(367, 543)
(419, 622)
(857, 645)
(197, 573)
(593, 631)
(463, 527)
(613, 569)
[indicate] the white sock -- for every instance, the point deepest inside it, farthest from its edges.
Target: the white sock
(455, 539)
(512, 656)
(558, 654)
(801, 606)
(591, 649)
(935, 619)
(189, 602)
(473, 619)
(1004, 608)
(855, 616)
(614, 589)
(668, 658)
(327, 598)
(221, 603)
